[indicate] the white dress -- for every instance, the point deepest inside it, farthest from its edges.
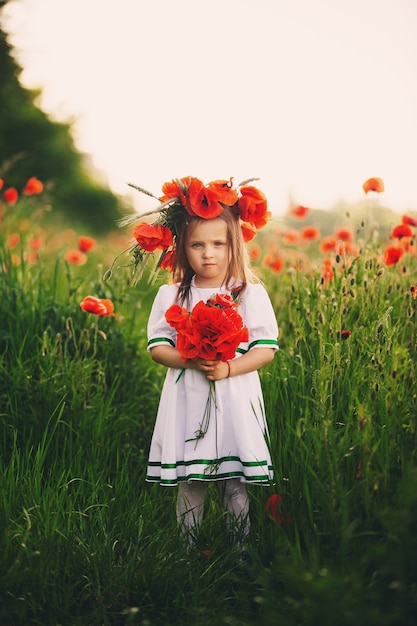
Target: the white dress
(236, 442)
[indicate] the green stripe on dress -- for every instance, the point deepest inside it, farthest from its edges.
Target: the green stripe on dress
(151, 342)
(224, 459)
(264, 342)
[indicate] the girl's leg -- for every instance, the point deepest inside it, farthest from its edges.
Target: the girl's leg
(190, 508)
(236, 502)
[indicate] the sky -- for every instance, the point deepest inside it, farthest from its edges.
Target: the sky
(310, 96)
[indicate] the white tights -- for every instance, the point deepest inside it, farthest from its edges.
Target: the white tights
(190, 506)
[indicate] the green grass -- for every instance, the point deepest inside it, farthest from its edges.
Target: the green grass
(85, 541)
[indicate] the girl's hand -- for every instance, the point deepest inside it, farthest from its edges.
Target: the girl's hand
(214, 370)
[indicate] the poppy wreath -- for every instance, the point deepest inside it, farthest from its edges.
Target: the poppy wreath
(180, 199)
(212, 330)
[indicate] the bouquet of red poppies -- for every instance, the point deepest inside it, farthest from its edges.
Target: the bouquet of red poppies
(212, 330)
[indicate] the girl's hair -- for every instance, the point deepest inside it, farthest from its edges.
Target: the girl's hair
(238, 270)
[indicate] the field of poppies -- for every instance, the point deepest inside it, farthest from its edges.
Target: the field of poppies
(85, 541)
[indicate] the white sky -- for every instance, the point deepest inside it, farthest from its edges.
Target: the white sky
(312, 96)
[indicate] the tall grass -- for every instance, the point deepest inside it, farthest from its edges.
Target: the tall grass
(84, 540)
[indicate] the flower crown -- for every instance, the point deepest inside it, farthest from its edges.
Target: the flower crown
(184, 198)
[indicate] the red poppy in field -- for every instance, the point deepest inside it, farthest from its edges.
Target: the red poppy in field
(310, 233)
(345, 334)
(273, 508)
(253, 206)
(344, 248)
(97, 306)
(248, 231)
(327, 244)
(153, 237)
(85, 244)
(373, 184)
(400, 231)
(13, 240)
(273, 505)
(345, 234)
(413, 290)
(33, 186)
(224, 191)
(75, 257)
(300, 212)
(11, 196)
(328, 273)
(254, 253)
(35, 243)
(275, 262)
(1, 183)
(410, 221)
(291, 237)
(392, 255)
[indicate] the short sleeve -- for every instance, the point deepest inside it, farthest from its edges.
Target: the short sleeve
(160, 333)
(259, 317)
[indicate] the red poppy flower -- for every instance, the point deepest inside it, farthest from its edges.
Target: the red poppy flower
(345, 334)
(328, 273)
(177, 317)
(224, 191)
(291, 237)
(410, 221)
(253, 206)
(75, 257)
(413, 290)
(11, 196)
(202, 201)
(255, 253)
(328, 244)
(85, 244)
(402, 230)
(212, 330)
(36, 243)
(33, 186)
(373, 184)
(152, 237)
(345, 234)
(300, 212)
(273, 505)
(1, 183)
(274, 509)
(392, 255)
(310, 233)
(176, 189)
(13, 240)
(248, 231)
(168, 261)
(275, 262)
(97, 306)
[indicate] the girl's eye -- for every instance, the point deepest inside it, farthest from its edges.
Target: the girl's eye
(219, 243)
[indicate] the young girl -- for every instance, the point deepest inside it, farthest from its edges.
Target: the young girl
(232, 450)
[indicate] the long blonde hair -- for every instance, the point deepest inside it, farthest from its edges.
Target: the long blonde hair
(239, 267)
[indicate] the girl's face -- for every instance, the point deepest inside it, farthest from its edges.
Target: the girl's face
(207, 251)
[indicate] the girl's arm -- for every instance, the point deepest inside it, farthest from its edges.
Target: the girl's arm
(249, 362)
(214, 370)
(170, 357)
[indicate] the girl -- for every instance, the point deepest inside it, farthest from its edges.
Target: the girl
(232, 450)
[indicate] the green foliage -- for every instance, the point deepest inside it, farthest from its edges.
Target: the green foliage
(83, 538)
(31, 144)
